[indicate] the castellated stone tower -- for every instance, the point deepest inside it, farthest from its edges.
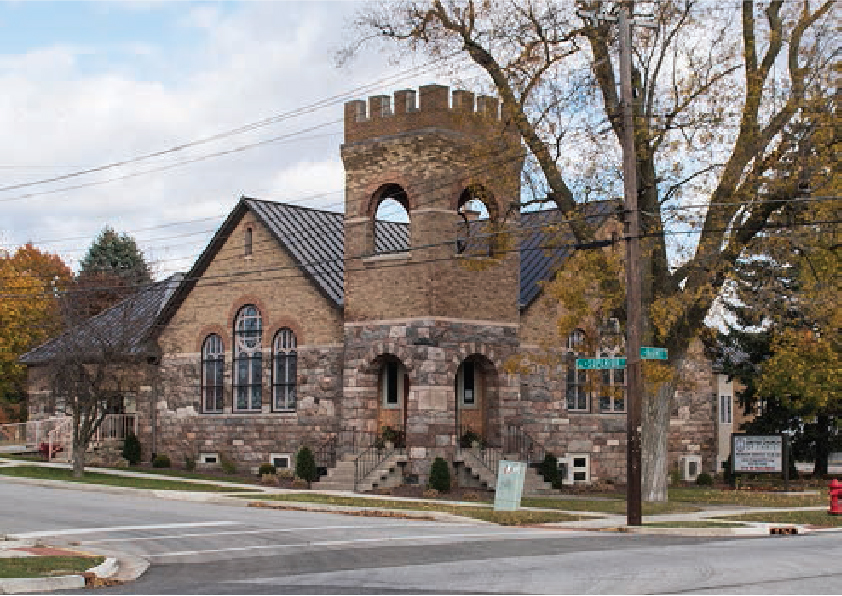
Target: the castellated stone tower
(432, 157)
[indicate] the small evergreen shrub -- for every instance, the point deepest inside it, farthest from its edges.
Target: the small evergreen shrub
(549, 469)
(305, 466)
(190, 464)
(228, 466)
(161, 461)
(440, 475)
(704, 479)
(267, 468)
(131, 449)
(727, 474)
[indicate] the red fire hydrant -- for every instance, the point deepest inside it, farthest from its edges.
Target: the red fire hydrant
(835, 492)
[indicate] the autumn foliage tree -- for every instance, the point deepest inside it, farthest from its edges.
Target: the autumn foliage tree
(721, 92)
(30, 283)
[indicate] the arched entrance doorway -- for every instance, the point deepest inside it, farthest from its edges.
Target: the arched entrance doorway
(392, 394)
(475, 396)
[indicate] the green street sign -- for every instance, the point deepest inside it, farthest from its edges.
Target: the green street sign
(653, 353)
(596, 363)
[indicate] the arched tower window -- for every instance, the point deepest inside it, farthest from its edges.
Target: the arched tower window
(285, 370)
(392, 383)
(248, 359)
(577, 395)
(391, 220)
(213, 361)
(476, 234)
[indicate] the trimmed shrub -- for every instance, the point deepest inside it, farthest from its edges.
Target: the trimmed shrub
(267, 469)
(300, 483)
(439, 475)
(704, 479)
(189, 464)
(228, 466)
(430, 493)
(305, 466)
(549, 469)
(161, 461)
(131, 449)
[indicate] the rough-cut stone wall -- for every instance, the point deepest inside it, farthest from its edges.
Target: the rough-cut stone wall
(286, 298)
(431, 405)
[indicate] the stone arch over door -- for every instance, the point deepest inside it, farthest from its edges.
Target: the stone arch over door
(476, 398)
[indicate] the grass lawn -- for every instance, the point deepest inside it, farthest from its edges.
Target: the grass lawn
(617, 506)
(749, 498)
(505, 518)
(112, 480)
(46, 566)
(812, 518)
(175, 473)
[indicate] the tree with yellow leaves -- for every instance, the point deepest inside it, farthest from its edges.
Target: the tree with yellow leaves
(30, 282)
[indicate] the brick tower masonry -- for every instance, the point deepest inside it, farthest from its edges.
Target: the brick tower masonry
(429, 306)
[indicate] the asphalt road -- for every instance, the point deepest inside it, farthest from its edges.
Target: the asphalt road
(215, 549)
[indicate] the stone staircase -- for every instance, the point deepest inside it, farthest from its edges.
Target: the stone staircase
(473, 470)
(387, 474)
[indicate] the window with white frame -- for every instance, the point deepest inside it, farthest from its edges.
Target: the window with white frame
(612, 389)
(248, 360)
(577, 395)
(469, 384)
(213, 361)
(285, 370)
(725, 416)
(392, 383)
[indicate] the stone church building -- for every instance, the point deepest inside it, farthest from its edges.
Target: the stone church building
(389, 343)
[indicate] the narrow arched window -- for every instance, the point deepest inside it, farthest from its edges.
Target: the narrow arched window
(247, 243)
(248, 359)
(213, 361)
(285, 370)
(577, 395)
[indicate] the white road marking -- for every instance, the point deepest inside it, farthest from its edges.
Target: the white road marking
(518, 535)
(265, 531)
(25, 535)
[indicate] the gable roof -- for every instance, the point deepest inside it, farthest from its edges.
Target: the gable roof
(122, 327)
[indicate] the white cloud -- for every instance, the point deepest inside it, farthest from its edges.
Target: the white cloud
(67, 107)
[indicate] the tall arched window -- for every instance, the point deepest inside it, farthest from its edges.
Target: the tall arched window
(577, 395)
(285, 370)
(213, 360)
(248, 359)
(247, 242)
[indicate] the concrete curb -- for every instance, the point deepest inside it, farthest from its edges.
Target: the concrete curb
(24, 585)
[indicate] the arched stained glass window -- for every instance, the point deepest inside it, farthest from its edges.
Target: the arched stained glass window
(248, 359)
(285, 370)
(213, 362)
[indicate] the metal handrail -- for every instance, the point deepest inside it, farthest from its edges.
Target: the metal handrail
(520, 442)
(369, 460)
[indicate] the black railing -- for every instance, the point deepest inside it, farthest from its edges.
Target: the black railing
(517, 441)
(375, 448)
(325, 454)
(488, 451)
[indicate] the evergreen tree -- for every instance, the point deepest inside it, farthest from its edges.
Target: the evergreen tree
(111, 270)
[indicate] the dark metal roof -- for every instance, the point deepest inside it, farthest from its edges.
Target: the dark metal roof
(121, 328)
(315, 239)
(545, 244)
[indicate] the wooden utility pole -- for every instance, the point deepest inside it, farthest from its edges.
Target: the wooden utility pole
(634, 297)
(634, 300)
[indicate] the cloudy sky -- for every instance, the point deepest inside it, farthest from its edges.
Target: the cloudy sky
(87, 85)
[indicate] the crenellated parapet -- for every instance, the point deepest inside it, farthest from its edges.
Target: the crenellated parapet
(429, 107)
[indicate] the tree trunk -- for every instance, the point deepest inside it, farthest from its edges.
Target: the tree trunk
(78, 460)
(654, 444)
(822, 445)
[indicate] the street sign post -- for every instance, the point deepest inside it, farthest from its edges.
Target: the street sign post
(600, 363)
(603, 363)
(653, 353)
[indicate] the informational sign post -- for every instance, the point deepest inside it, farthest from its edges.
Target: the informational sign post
(510, 477)
(759, 454)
